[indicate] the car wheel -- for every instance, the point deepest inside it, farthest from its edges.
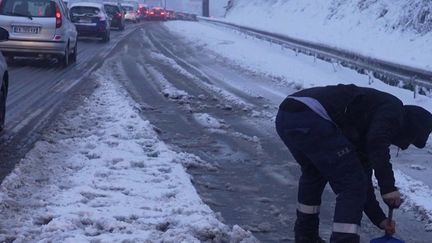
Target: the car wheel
(73, 56)
(3, 95)
(65, 57)
(122, 27)
(106, 36)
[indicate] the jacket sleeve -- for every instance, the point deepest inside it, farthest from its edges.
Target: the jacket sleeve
(384, 124)
(372, 208)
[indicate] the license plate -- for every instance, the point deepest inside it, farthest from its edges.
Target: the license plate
(26, 29)
(84, 21)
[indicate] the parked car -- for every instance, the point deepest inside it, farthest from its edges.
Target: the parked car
(157, 13)
(131, 12)
(90, 19)
(4, 36)
(116, 15)
(38, 28)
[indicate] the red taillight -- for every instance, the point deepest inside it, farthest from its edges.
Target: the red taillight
(119, 14)
(58, 17)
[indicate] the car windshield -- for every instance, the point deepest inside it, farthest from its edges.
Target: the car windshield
(28, 8)
(84, 10)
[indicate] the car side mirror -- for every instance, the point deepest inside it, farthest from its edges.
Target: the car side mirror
(4, 34)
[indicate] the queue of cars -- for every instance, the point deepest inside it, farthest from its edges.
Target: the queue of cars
(49, 29)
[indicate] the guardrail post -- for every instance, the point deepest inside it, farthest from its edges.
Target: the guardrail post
(206, 8)
(370, 76)
(334, 65)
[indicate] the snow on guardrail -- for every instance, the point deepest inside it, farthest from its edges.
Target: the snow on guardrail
(392, 73)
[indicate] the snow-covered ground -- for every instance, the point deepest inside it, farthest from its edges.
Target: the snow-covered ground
(412, 166)
(393, 30)
(102, 175)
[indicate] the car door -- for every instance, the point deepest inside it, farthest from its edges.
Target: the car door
(69, 27)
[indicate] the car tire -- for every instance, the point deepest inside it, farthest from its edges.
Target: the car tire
(73, 56)
(106, 37)
(122, 27)
(65, 58)
(3, 95)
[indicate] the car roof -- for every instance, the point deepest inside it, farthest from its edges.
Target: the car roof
(112, 4)
(86, 4)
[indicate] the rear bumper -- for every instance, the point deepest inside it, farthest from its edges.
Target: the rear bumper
(32, 48)
(131, 17)
(116, 23)
(91, 30)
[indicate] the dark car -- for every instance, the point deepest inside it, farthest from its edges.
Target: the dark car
(90, 20)
(116, 15)
(142, 12)
(4, 36)
(171, 14)
(157, 13)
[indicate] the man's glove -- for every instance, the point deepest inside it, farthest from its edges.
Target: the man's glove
(392, 199)
(388, 226)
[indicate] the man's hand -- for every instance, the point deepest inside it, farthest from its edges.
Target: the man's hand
(388, 226)
(392, 199)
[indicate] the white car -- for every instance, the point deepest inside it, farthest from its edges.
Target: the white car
(4, 36)
(40, 28)
(131, 11)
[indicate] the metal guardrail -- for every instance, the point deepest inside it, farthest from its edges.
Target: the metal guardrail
(392, 73)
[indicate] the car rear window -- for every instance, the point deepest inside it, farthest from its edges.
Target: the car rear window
(128, 8)
(84, 10)
(28, 8)
(111, 9)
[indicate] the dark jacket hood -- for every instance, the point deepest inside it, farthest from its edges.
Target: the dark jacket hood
(418, 121)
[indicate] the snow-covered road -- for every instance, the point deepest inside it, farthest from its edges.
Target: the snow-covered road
(413, 165)
(102, 173)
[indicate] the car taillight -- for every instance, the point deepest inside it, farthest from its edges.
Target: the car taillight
(58, 17)
(119, 14)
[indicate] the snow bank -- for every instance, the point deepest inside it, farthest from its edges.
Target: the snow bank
(102, 175)
(393, 30)
(300, 71)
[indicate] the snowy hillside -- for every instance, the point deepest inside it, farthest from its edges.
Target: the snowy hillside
(394, 30)
(194, 6)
